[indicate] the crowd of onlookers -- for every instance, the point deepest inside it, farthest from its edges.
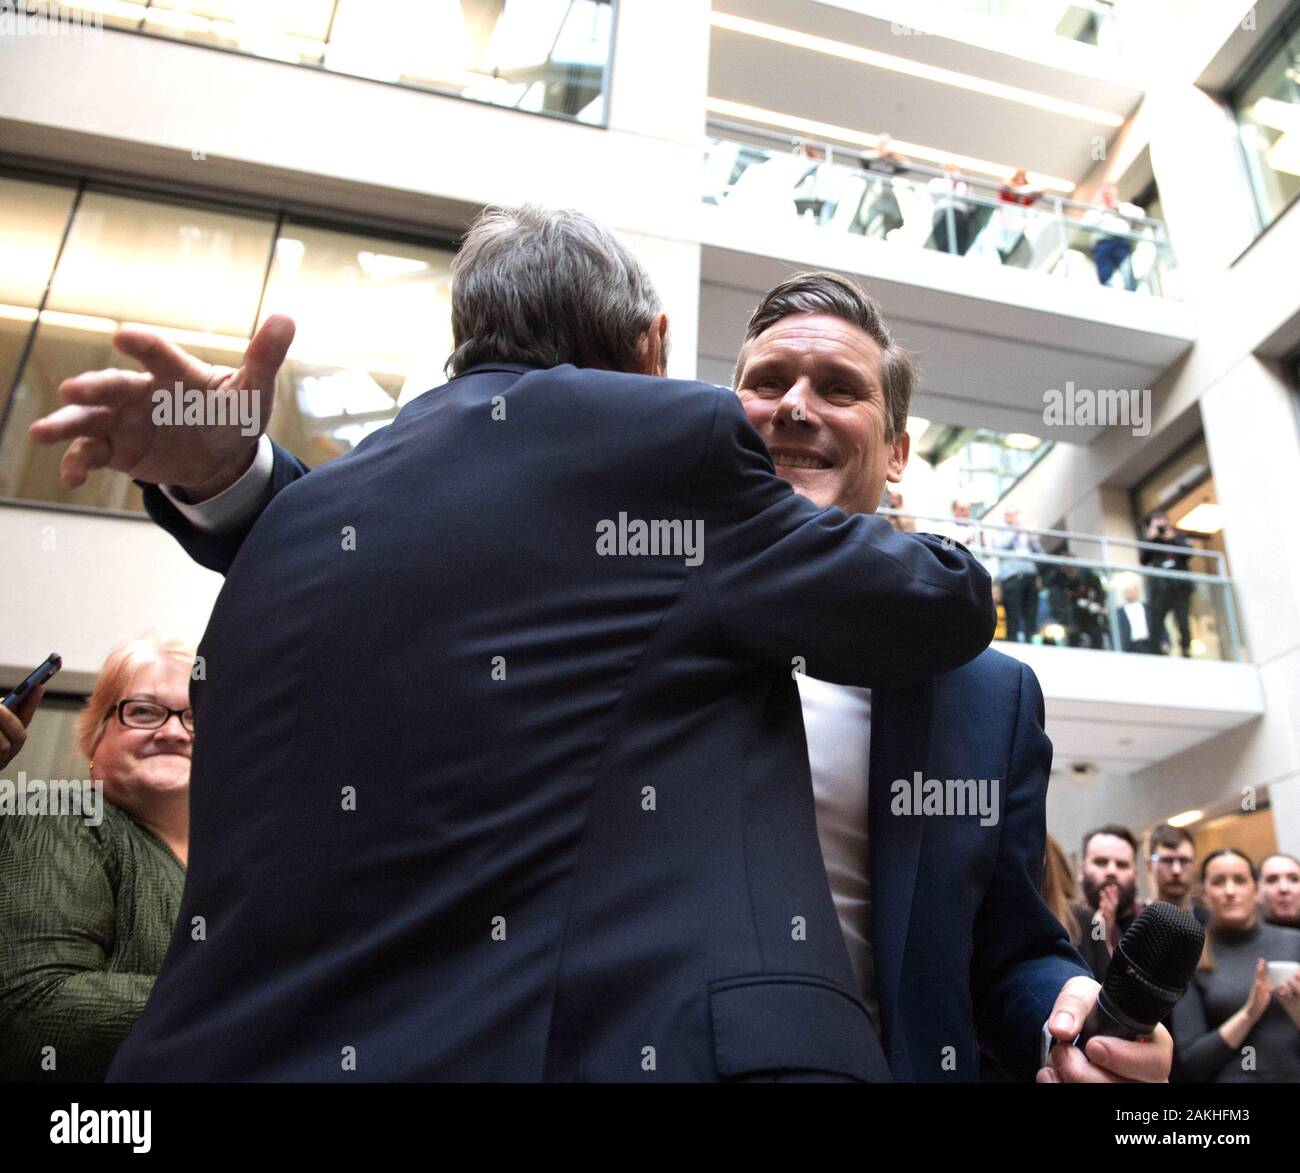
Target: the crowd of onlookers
(1044, 601)
(961, 208)
(1239, 1021)
(88, 907)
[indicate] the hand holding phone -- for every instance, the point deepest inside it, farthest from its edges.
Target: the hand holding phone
(17, 708)
(37, 677)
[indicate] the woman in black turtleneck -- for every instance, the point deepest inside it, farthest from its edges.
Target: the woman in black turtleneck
(1232, 1026)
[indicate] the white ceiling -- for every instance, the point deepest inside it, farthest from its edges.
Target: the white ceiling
(1123, 713)
(812, 85)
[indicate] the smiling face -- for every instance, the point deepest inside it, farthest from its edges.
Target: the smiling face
(1279, 887)
(811, 386)
(143, 766)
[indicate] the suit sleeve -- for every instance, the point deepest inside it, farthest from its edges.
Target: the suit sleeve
(217, 550)
(859, 602)
(1022, 955)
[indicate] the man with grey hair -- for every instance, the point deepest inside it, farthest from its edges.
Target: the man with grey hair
(939, 901)
(573, 836)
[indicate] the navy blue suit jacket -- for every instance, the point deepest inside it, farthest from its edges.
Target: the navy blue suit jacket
(967, 955)
(472, 801)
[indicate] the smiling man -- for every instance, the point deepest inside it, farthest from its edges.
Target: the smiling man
(947, 933)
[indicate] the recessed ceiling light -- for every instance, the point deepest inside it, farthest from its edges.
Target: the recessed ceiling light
(1185, 818)
(1206, 518)
(948, 77)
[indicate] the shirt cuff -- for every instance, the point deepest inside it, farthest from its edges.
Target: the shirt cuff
(234, 506)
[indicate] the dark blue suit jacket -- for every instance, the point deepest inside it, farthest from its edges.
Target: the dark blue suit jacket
(966, 952)
(471, 801)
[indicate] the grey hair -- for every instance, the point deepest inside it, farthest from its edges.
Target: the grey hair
(541, 287)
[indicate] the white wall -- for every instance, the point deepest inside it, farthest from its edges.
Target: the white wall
(1244, 303)
(78, 585)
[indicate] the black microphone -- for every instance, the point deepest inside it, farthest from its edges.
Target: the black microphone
(1150, 970)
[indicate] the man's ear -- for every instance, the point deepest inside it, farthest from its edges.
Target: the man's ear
(652, 348)
(900, 448)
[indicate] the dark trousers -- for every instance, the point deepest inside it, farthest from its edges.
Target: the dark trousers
(879, 214)
(1020, 598)
(1168, 597)
(962, 234)
(1109, 254)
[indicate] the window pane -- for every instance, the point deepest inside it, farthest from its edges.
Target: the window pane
(33, 217)
(191, 273)
(374, 329)
(1268, 109)
(540, 55)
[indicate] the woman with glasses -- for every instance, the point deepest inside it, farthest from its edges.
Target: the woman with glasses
(88, 897)
(1239, 1023)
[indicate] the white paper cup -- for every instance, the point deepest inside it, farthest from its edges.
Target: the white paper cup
(1280, 971)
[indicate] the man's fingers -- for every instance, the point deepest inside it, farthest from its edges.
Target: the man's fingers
(266, 353)
(72, 421)
(84, 455)
(111, 388)
(1072, 1007)
(1128, 1059)
(166, 362)
(1071, 1066)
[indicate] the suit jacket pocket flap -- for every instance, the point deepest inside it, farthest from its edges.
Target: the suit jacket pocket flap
(792, 1022)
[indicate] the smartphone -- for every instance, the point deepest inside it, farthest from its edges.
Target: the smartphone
(53, 662)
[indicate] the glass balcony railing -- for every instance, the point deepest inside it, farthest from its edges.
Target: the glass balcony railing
(915, 206)
(543, 56)
(1093, 592)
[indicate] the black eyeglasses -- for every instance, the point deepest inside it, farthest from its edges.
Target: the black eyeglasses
(136, 714)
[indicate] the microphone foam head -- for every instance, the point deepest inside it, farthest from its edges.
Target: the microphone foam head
(1154, 962)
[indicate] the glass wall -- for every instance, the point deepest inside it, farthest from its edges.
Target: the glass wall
(1267, 103)
(545, 56)
(373, 314)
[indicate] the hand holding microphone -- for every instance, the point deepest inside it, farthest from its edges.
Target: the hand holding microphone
(1112, 1033)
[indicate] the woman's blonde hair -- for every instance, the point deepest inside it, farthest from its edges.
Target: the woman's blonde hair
(1059, 889)
(121, 667)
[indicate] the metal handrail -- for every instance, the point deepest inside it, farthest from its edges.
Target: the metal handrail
(1072, 535)
(908, 165)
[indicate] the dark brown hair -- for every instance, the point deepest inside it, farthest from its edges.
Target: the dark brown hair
(1169, 836)
(829, 293)
(1111, 829)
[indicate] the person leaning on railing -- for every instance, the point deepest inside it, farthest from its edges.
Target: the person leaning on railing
(1169, 596)
(1016, 197)
(87, 907)
(1110, 253)
(879, 213)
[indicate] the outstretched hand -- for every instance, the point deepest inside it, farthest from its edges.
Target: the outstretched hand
(109, 415)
